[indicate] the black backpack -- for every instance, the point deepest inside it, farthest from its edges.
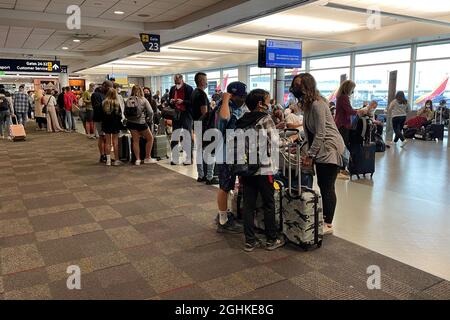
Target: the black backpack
(241, 160)
(4, 105)
(132, 108)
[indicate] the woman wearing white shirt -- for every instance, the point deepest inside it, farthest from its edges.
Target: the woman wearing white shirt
(52, 119)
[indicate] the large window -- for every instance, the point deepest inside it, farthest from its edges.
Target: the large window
(166, 83)
(333, 62)
(190, 79)
(229, 76)
(260, 78)
(372, 83)
(431, 82)
(328, 81)
(434, 51)
(383, 56)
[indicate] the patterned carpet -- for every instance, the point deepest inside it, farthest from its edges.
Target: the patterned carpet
(147, 233)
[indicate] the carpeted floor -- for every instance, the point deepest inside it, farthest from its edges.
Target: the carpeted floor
(147, 233)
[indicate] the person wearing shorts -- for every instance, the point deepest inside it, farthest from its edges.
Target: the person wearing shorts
(138, 113)
(97, 105)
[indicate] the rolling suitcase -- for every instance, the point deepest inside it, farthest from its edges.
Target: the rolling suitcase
(301, 213)
(16, 130)
(437, 128)
(362, 160)
(160, 147)
(125, 148)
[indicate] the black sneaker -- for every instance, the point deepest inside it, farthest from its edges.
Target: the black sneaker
(274, 244)
(213, 181)
(201, 179)
(173, 163)
(249, 247)
(102, 159)
(230, 227)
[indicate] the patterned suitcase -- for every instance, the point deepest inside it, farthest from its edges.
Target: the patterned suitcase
(302, 215)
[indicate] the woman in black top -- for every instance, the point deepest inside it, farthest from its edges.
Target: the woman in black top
(111, 125)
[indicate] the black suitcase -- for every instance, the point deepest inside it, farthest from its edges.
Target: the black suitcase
(125, 148)
(362, 160)
(380, 145)
(436, 131)
(142, 152)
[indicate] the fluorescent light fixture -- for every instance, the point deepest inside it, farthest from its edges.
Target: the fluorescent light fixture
(137, 63)
(409, 6)
(119, 12)
(209, 51)
(388, 14)
(123, 66)
(290, 22)
(65, 48)
(224, 40)
(76, 40)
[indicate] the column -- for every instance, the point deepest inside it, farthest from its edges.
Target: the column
(243, 74)
(280, 86)
(63, 80)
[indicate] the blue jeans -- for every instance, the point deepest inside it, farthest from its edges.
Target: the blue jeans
(4, 122)
(209, 171)
(22, 118)
(68, 119)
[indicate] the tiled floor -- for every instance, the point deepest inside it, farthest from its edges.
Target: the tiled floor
(403, 213)
(147, 233)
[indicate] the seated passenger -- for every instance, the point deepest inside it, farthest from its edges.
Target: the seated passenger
(427, 111)
(369, 111)
(294, 118)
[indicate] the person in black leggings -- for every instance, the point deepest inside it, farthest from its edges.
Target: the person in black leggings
(326, 145)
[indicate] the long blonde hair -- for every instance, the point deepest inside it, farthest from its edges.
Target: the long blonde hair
(111, 103)
(346, 88)
(137, 91)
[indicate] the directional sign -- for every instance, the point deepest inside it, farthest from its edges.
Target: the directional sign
(63, 69)
(14, 65)
(151, 42)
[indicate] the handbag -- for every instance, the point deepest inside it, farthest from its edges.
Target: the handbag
(169, 113)
(44, 108)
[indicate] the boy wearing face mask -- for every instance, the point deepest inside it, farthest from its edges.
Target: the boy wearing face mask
(227, 113)
(258, 102)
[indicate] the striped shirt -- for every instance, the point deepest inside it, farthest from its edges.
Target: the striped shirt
(21, 102)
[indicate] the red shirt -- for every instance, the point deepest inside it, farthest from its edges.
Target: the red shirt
(344, 112)
(180, 94)
(69, 100)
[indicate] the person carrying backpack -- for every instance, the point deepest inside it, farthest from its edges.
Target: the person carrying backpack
(139, 113)
(6, 110)
(259, 178)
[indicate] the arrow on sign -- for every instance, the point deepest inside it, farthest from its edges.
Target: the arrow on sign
(55, 67)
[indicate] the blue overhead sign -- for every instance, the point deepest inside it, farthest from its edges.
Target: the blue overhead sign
(283, 54)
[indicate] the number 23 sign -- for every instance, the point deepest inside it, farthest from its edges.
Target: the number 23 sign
(151, 42)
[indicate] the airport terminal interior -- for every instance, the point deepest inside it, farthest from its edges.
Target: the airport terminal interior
(86, 199)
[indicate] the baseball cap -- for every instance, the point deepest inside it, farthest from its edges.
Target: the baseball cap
(237, 88)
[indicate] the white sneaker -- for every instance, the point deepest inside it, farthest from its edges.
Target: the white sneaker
(108, 163)
(404, 143)
(118, 163)
(327, 229)
(138, 162)
(150, 161)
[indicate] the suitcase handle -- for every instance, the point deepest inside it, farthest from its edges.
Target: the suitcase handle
(15, 118)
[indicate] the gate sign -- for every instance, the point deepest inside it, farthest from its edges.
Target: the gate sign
(14, 65)
(151, 42)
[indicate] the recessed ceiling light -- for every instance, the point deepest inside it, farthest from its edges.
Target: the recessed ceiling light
(76, 40)
(65, 48)
(119, 12)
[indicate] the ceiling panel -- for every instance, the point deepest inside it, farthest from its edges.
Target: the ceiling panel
(17, 37)
(7, 4)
